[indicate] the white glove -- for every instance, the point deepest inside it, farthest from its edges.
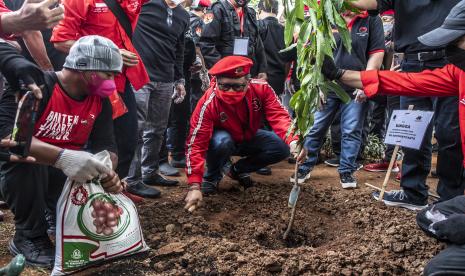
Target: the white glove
(294, 148)
(80, 166)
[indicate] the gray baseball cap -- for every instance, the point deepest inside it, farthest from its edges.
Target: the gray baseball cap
(452, 28)
(94, 53)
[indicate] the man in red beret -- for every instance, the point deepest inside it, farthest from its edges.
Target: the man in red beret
(227, 122)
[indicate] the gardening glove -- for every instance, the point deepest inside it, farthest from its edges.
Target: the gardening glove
(329, 69)
(452, 229)
(194, 198)
(81, 166)
(294, 148)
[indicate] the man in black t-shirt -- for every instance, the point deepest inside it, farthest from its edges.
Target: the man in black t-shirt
(414, 18)
(159, 39)
(272, 35)
(367, 54)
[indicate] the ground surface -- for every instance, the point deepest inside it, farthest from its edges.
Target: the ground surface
(336, 232)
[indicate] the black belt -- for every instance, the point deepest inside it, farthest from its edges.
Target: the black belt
(426, 56)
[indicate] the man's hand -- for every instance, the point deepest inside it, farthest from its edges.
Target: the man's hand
(80, 166)
(289, 87)
(179, 94)
(302, 156)
(360, 96)
(33, 15)
(8, 157)
(112, 184)
(452, 229)
(262, 76)
(129, 58)
(294, 148)
(194, 198)
(329, 69)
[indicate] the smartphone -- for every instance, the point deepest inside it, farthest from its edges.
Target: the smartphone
(23, 128)
(398, 57)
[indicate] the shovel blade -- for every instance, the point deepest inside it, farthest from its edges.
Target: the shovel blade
(293, 196)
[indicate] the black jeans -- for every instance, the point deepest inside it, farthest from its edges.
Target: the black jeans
(417, 163)
(125, 129)
(30, 190)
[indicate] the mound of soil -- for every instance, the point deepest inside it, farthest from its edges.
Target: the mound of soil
(336, 232)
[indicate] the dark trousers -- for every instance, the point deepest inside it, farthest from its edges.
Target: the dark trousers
(264, 149)
(196, 92)
(125, 129)
(30, 190)
(417, 163)
(450, 261)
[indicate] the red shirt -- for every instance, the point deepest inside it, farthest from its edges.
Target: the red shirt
(67, 123)
(93, 17)
(447, 81)
(241, 121)
(3, 9)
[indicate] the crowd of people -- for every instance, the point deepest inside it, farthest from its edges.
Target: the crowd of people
(165, 85)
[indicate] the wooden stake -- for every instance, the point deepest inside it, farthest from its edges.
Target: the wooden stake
(291, 220)
(391, 165)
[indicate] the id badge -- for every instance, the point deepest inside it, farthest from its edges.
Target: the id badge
(241, 46)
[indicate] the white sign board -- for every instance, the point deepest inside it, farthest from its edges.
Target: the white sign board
(407, 128)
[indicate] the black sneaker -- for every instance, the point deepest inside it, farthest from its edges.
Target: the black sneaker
(264, 171)
(209, 187)
(334, 162)
(302, 176)
(159, 180)
(38, 252)
(348, 180)
(398, 198)
(178, 163)
(244, 179)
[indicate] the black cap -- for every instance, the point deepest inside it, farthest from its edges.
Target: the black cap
(452, 28)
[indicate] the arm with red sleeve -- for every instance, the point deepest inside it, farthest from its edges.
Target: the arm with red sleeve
(276, 115)
(440, 82)
(69, 29)
(199, 138)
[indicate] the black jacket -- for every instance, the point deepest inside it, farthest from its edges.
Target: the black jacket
(219, 32)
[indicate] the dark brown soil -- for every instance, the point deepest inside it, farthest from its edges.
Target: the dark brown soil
(336, 232)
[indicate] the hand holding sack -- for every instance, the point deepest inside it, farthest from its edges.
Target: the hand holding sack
(80, 166)
(92, 225)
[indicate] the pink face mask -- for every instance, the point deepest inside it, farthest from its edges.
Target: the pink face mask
(100, 87)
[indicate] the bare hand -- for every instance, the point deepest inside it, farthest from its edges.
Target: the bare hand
(360, 96)
(396, 68)
(129, 58)
(196, 67)
(262, 76)
(6, 156)
(179, 94)
(37, 14)
(193, 200)
(302, 156)
(112, 184)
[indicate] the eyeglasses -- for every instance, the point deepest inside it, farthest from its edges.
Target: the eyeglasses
(169, 19)
(234, 86)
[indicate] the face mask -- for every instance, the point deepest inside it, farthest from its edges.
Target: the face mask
(456, 56)
(242, 3)
(98, 86)
(177, 2)
(387, 27)
(230, 97)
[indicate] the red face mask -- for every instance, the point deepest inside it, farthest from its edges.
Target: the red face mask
(230, 97)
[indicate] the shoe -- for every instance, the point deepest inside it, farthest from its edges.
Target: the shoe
(398, 176)
(209, 187)
(302, 176)
(243, 178)
(398, 198)
(39, 252)
(140, 189)
(158, 180)
(51, 223)
(347, 180)
(291, 160)
(264, 171)
(434, 174)
(334, 162)
(180, 164)
(134, 198)
(167, 170)
(381, 167)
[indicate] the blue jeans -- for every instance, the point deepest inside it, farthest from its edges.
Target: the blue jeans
(352, 118)
(417, 163)
(264, 149)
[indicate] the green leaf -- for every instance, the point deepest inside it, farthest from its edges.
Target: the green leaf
(341, 93)
(299, 9)
(292, 46)
(289, 28)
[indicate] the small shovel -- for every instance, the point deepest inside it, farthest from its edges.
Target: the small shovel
(292, 202)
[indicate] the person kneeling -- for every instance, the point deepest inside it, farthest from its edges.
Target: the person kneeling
(226, 122)
(74, 113)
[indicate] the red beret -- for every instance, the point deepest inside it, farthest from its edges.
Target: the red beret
(205, 3)
(232, 67)
(388, 12)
